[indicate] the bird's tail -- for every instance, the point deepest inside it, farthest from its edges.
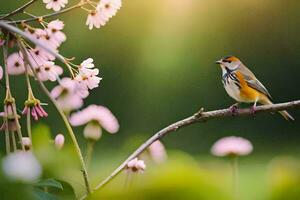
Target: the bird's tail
(284, 113)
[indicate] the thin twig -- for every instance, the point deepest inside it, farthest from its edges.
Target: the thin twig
(200, 116)
(80, 4)
(18, 10)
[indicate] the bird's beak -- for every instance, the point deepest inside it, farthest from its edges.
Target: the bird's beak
(219, 62)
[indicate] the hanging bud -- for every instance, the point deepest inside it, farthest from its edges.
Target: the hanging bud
(27, 143)
(59, 141)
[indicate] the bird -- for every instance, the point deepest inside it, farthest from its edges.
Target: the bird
(243, 86)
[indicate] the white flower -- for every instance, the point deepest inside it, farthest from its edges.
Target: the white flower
(88, 78)
(27, 143)
(135, 166)
(15, 64)
(95, 19)
(56, 5)
(49, 71)
(109, 8)
(228, 146)
(22, 166)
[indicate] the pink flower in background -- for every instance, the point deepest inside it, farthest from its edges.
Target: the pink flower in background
(49, 71)
(66, 95)
(15, 64)
(232, 146)
(59, 141)
(135, 166)
(95, 19)
(41, 54)
(1, 72)
(2, 41)
(109, 8)
(96, 117)
(56, 5)
(157, 152)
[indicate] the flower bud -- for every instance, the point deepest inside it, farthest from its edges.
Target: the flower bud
(92, 131)
(27, 143)
(59, 141)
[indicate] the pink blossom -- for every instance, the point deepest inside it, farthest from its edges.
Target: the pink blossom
(2, 41)
(232, 146)
(15, 64)
(54, 28)
(135, 166)
(49, 71)
(109, 8)
(95, 19)
(8, 113)
(157, 152)
(96, 114)
(59, 141)
(56, 5)
(66, 95)
(35, 109)
(88, 78)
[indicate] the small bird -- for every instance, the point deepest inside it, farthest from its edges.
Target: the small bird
(242, 85)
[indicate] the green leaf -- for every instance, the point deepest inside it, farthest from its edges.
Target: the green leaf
(41, 195)
(49, 183)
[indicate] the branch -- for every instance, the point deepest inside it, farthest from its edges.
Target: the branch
(18, 10)
(80, 4)
(200, 116)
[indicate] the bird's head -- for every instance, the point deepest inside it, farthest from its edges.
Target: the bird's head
(229, 62)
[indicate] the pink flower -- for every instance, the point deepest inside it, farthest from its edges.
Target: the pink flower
(59, 141)
(95, 117)
(8, 114)
(34, 107)
(2, 41)
(66, 95)
(109, 8)
(49, 71)
(157, 152)
(15, 64)
(135, 166)
(95, 19)
(41, 54)
(56, 5)
(54, 28)
(88, 78)
(232, 146)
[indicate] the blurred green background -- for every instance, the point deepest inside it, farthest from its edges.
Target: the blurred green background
(157, 62)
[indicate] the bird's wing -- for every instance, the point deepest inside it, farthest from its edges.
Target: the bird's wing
(253, 82)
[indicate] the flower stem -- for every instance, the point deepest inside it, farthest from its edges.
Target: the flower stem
(28, 120)
(235, 176)
(7, 141)
(63, 116)
(89, 152)
(9, 97)
(14, 141)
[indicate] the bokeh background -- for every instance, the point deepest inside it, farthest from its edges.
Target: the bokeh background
(157, 62)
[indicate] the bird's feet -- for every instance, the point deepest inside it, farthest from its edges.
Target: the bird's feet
(234, 109)
(253, 109)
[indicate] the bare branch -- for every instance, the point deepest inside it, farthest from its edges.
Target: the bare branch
(18, 10)
(80, 4)
(200, 116)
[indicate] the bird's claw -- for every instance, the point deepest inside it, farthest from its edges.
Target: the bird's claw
(234, 109)
(253, 109)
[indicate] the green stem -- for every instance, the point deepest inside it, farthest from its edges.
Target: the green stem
(14, 141)
(7, 141)
(235, 176)
(29, 125)
(63, 116)
(89, 152)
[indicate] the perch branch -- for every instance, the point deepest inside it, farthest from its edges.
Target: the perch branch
(200, 116)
